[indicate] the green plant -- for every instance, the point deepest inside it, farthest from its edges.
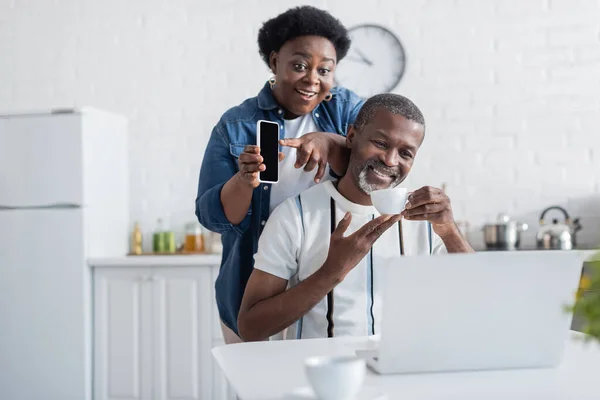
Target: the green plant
(587, 307)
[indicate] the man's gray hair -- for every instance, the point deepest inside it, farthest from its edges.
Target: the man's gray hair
(394, 103)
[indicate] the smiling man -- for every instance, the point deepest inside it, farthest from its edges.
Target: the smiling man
(315, 272)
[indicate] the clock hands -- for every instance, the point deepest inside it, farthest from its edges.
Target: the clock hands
(363, 59)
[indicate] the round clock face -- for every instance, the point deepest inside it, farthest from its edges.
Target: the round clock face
(375, 62)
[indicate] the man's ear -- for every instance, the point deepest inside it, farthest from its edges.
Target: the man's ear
(351, 136)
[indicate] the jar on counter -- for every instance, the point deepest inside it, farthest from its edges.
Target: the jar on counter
(194, 238)
(163, 240)
(158, 238)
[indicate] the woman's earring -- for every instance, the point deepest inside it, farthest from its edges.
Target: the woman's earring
(328, 97)
(272, 82)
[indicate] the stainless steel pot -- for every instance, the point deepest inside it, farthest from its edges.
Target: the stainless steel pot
(505, 234)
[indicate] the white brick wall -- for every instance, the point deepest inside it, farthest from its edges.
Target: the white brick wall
(510, 90)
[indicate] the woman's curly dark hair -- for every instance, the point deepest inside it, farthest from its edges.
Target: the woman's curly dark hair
(302, 21)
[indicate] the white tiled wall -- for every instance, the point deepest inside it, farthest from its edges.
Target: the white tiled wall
(510, 90)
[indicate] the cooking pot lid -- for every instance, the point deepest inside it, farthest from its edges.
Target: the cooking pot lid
(501, 219)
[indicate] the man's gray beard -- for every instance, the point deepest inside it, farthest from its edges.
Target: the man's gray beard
(365, 186)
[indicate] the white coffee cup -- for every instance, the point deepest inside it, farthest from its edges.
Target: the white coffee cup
(336, 377)
(390, 201)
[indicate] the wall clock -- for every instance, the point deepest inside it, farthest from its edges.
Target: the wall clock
(375, 62)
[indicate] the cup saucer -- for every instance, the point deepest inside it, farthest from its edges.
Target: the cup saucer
(306, 393)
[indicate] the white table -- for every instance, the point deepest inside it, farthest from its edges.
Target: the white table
(269, 370)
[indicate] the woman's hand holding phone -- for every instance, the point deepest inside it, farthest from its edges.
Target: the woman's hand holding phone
(250, 163)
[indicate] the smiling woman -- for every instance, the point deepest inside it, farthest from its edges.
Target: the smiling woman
(303, 65)
(302, 47)
(293, 91)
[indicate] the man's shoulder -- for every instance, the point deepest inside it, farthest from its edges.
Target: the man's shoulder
(287, 208)
(315, 196)
(308, 201)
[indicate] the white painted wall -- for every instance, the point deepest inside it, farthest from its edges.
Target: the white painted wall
(509, 88)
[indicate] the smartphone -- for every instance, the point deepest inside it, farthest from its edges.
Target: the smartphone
(267, 138)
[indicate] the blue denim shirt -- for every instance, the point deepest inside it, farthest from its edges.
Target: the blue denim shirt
(235, 130)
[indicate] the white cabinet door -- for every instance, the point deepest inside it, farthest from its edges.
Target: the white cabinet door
(44, 305)
(183, 305)
(154, 331)
(123, 334)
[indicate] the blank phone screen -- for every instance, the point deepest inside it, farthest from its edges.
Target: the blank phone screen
(269, 150)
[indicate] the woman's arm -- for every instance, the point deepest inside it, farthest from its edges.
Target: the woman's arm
(224, 197)
(317, 149)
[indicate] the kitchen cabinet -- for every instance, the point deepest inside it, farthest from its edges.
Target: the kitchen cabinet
(122, 335)
(155, 324)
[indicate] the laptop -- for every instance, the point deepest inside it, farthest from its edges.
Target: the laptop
(478, 311)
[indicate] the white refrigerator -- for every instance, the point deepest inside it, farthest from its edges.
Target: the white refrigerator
(63, 199)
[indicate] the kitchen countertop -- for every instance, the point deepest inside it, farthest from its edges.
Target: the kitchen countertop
(198, 260)
(175, 260)
(586, 252)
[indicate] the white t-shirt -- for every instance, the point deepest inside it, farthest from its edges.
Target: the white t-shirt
(293, 181)
(295, 243)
